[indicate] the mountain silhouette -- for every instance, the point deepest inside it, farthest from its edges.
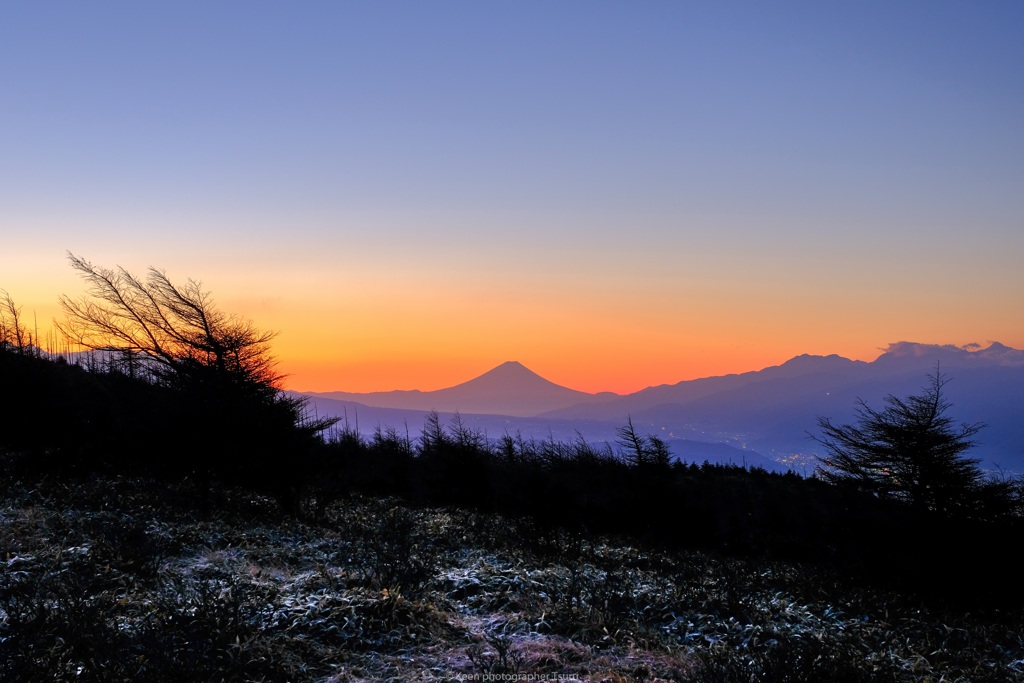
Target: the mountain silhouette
(768, 413)
(773, 411)
(508, 389)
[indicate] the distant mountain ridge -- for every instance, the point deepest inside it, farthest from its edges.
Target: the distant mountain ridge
(740, 417)
(775, 410)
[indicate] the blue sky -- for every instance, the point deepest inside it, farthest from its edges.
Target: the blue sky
(712, 186)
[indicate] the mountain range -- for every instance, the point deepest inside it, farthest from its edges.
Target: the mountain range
(764, 417)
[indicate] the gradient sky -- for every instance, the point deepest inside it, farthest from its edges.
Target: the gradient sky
(616, 194)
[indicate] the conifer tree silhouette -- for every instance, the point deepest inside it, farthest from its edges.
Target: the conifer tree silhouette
(911, 450)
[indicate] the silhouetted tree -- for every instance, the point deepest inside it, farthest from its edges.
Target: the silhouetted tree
(233, 420)
(13, 334)
(643, 451)
(911, 450)
(179, 329)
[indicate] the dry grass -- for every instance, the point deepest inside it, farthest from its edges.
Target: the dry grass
(114, 580)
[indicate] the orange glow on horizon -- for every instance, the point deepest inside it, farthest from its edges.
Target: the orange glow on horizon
(381, 330)
(627, 378)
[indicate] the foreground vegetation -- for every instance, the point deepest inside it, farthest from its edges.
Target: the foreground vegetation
(122, 579)
(167, 513)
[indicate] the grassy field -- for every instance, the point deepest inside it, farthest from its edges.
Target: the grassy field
(120, 579)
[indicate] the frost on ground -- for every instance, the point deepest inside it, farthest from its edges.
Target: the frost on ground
(116, 580)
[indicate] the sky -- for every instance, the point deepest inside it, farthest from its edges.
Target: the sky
(615, 194)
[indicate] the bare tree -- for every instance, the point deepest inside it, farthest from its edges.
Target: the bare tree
(179, 329)
(231, 419)
(13, 334)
